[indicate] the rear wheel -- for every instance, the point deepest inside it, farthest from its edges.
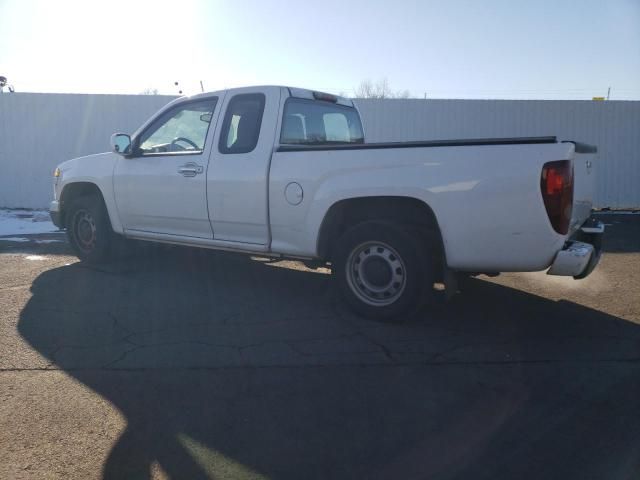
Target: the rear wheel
(88, 229)
(383, 270)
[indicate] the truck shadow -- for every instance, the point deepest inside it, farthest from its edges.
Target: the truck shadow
(622, 232)
(226, 366)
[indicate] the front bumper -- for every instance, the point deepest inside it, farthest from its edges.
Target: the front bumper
(54, 212)
(581, 253)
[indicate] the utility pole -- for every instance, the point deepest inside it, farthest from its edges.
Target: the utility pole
(608, 93)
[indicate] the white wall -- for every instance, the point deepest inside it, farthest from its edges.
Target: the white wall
(612, 125)
(38, 131)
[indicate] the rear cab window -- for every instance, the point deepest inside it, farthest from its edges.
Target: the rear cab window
(315, 122)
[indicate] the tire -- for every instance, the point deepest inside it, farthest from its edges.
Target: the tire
(383, 270)
(88, 229)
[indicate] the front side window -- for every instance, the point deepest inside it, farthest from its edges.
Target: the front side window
(309, 122)
(182, 129)
(241, 126)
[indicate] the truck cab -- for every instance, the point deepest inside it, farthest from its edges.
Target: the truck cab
(198, 169)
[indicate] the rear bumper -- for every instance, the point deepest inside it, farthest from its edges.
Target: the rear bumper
(581, 254)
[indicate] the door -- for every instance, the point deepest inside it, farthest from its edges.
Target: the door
(237, 179)
(161, 188)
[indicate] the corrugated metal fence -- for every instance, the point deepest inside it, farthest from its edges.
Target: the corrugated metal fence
(37, 131)
(613, 125)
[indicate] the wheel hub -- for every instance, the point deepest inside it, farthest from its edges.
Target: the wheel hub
(85, 230)
(376, 273)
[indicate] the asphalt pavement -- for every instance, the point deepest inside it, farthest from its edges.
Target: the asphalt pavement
(187, 363)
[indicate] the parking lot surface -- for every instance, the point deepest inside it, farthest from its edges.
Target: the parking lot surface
(183, 363)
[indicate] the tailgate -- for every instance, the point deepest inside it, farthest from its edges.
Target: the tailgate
(584, 184)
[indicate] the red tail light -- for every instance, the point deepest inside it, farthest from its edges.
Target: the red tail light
(556, 184)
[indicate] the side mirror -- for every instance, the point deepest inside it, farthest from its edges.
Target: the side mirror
(121, 143)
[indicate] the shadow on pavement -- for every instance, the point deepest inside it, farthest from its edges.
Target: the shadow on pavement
(228, 367)
(49, 243)
(622, 234)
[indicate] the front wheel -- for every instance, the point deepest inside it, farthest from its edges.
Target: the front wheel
(88, 229)
(383, 270)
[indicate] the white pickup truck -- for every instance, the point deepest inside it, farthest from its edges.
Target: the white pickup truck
(286, 172)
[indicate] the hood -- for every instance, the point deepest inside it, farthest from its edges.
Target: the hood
(96, 157)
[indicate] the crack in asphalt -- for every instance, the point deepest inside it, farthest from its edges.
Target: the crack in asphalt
(117, 324)
(335, 308)
(345, 340)
(121, 357)
(241, 348)
(443, 354)
(440, 357)
(386, 352)
(294, 346)
(631, 361)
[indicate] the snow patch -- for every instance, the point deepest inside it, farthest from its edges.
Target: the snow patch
(35, 257)
(16, 222)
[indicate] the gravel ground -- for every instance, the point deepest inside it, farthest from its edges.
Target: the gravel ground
(182, 363)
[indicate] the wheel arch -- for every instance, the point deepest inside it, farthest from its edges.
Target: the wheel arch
(75, 190)
(409, 211)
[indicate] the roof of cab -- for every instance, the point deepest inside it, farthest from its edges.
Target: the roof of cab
(293, 92)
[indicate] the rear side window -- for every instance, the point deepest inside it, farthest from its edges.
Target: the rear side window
(310, 122)
(241, 126)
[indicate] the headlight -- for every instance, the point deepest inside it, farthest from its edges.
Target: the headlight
(56, 172)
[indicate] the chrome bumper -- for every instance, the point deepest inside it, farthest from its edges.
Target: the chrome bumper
(581, 254)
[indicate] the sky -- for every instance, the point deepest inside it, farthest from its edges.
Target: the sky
(549, 49)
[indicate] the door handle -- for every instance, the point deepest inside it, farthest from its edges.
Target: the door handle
(190, 169)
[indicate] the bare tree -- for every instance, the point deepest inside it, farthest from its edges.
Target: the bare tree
(149, 91)
(5, 83)
(381, 89)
